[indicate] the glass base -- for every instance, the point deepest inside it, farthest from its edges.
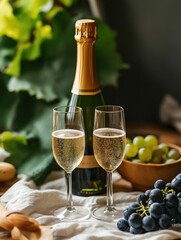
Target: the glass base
(106, 214)
(74, 214)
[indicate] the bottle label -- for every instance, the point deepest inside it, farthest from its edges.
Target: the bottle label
(88, 161)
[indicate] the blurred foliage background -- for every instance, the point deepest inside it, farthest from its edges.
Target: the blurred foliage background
(37, 67)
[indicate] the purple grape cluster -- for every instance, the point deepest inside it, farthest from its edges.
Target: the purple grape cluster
(155, 209)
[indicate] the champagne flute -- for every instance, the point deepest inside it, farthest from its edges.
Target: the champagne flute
(109, 142)
(68, 144)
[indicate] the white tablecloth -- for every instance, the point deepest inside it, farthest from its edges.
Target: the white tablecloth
(41, 203)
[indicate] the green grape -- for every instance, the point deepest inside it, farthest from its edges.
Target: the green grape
(131, 150)
(136, 160)
(159, 153)
(174, 154)
(128, 140)
(170, 160)
(139, 141)
(158, 156)
(157, 160)
(151, 141)
(164, 147)
(145, 154)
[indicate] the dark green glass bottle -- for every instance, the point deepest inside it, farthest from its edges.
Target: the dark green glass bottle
(88, 178)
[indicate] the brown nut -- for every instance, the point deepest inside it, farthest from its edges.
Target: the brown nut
(17, 235)
(22, 222)
(4, 223)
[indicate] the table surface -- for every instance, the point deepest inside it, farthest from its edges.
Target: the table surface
(164, 133)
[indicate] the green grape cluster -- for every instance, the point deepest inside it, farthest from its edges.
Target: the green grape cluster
(148, 150)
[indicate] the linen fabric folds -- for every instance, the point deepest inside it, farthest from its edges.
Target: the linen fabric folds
(45, 202)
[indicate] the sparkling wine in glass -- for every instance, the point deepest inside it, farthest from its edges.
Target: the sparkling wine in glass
(109, 142)
(68, 144)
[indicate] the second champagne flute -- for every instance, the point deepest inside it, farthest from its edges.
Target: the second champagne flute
(109, 142)
(68, 144)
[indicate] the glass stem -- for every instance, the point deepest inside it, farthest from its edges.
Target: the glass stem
(69, 192)
(109, 192)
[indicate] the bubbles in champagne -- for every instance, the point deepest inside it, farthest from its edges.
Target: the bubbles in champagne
(68, 148)
(109, 147)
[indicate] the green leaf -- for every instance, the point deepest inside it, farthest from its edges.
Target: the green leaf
(14, 67)
(67, 3)
(108, 61)
(37, 166)
(7, 46)
(26, 26)
(16, 145)
(53, 73)
(27, 159)
(9, 24)
(8, 106)
(40, 126)
(27, 116)
(34, 49)
(30, 150)
(53, 12)
(33, 7)
(29, 50)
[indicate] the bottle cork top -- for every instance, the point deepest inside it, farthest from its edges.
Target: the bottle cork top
(85, 30)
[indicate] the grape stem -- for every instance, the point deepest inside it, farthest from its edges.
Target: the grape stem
(143, 209)
(166, 191)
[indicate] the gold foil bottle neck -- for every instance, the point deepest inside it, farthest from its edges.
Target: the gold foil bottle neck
(85, 30)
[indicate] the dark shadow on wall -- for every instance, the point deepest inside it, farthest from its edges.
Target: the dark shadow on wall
(149, 39)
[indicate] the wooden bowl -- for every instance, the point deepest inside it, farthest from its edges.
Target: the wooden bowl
(143, 176)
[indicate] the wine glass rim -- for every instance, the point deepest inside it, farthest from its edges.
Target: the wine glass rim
(61, 109)
(120, 109)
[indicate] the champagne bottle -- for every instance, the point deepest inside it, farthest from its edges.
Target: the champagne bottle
(88, 178)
